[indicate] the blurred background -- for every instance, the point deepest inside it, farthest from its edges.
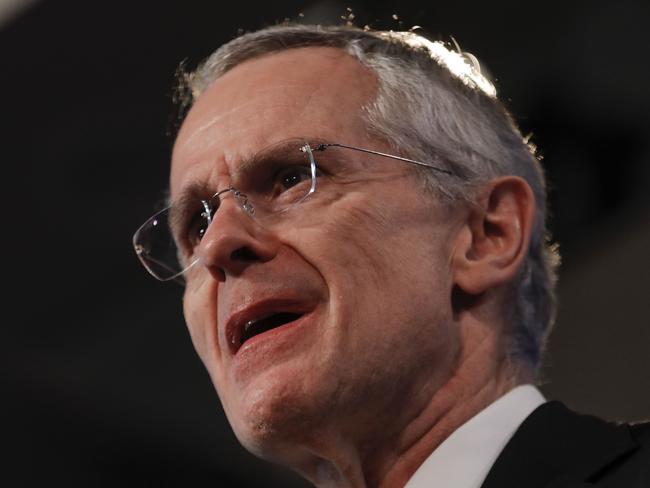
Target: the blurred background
(101, 386)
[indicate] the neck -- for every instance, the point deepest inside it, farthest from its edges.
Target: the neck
(482, 374)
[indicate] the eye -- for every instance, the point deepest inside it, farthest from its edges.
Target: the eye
(197, 229)
(192, 232)
(292, 176)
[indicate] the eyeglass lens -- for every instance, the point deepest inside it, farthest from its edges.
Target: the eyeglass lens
(270, 183)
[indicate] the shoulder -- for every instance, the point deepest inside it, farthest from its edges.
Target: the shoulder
(623, 449)
(555, 444)
(633, 468)
(640, 432)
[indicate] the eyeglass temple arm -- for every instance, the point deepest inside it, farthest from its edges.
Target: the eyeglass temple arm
(322, 147)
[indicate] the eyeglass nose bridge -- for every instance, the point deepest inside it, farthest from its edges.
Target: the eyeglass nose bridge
(242, 200)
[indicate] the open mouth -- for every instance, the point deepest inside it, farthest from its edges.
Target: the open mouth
(256, 327)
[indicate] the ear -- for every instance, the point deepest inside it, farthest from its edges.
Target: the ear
(495, 236)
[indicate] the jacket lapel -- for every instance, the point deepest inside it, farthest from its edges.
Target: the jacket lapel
(557, 448)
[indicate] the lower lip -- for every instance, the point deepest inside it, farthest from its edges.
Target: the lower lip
(265, 352)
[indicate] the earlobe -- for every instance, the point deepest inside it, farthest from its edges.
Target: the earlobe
(495, 237)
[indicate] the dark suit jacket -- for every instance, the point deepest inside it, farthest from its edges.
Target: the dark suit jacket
(558, 448)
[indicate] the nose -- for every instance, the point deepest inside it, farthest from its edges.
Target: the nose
(234, 241)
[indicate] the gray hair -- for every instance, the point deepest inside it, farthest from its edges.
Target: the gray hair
(433, 104)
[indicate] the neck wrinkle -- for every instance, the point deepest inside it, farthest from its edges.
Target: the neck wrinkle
(449, 408)
(483, 373)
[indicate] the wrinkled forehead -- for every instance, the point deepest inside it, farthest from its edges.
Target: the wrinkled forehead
(317, 92)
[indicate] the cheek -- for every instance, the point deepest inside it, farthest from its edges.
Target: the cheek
(353, 246)
(382, 247)
(198, 317)
(384, 262)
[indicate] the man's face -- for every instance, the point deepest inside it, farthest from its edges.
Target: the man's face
(361, 270)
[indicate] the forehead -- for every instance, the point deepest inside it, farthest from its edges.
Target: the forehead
(315, 92)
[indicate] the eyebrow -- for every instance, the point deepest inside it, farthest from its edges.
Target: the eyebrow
(195, 190)
(280, 150)
(200, 190)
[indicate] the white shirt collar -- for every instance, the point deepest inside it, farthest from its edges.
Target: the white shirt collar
(464, 459)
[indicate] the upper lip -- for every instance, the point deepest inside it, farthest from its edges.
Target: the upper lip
(257, 311)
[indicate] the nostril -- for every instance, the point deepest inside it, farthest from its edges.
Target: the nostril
(244, 254)
(220, 274)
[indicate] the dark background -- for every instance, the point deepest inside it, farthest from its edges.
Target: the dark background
(101, 386)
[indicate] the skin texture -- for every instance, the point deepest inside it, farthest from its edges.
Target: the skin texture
(403, 298)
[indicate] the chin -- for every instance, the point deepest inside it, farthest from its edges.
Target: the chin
(278, 412)
(268, 432)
